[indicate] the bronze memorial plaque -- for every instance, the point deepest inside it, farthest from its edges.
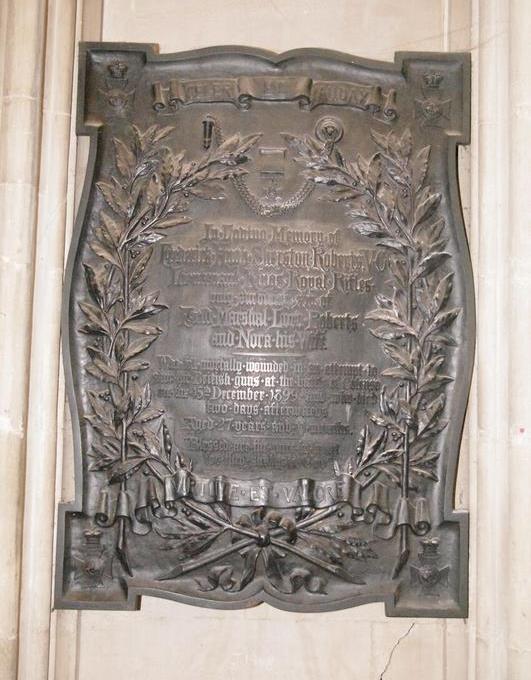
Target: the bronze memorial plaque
(268, 332)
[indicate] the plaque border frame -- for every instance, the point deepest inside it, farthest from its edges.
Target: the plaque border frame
(449, 514)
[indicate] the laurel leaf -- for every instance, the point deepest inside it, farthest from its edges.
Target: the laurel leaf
(399, 271)
(426, 208)
(139, 265)
(100, 408)
(124, 157)
(105, 253)
(172, 220)
(391, 318)
(384, 333)
(101, 459)
(429, 417)
(428, 264)
(95, 278)
(398, 373)
(401, 356)
(444, 319)
(126, 469)
(133, 365)
(370, 229)
(148, 415)
(142, 327)
(95, 316)
(381, 140)
(435, 383)
(162, 132)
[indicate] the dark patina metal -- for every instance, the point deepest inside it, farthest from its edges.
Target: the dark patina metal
(268, 332)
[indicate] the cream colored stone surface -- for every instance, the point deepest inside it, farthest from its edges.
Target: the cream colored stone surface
(20, 124)
(41, 163)
(372, 29)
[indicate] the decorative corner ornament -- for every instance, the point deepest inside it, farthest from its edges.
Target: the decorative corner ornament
(268, 332)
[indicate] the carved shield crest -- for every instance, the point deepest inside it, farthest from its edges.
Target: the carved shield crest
(268, 332)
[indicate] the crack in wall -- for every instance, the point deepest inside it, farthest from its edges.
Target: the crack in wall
(393, 649)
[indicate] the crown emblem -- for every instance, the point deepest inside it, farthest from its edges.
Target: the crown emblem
(92, 537)
(430, 547)
(117, 69)
(433, 80)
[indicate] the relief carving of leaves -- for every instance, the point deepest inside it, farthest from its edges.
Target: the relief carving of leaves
(115, 196)
(134, 365)
(398, 373)
(108, 369)
(101, 459)
(399, 271)
(101, 408)
(393, 472)
(391, 318)
(95, 316)
(424, 472)
(101, 427)
(442, 292)
(124, 158)
(143, 308)
(341, 193)
(218, 576)
(151, 136)
(389, 454)
(125, 469)
(398, 209)
(221, 511)
(395, 246)
(161, 133)
(140, 326)
(434, 383)
(120, 399)
(148, 415)
(444, 319)
(426, 208)
(374, 174)
(137, 346)
(299, 145)
(381, 140)
(173, 220)
(405, 144)
(372, 446)
(443, 339)
(147, 238)
(400, 355)
(420, 166)
(397, 175)
(384, 333)
(304, 578)
(110, 229)
(249, 567)
(95, 277)
(371, 229)
(101, 250)
(197, 543)
(139, 265)
(233, 150)
(431, 414)
(428, 264)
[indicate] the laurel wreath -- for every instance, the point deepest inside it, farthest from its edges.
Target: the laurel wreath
(150, 194)
(388, 200)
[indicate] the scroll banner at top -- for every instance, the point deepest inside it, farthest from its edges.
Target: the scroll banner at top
(242, 91)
